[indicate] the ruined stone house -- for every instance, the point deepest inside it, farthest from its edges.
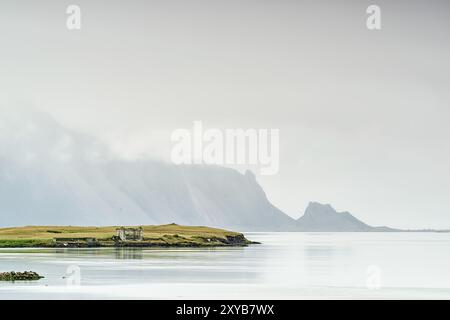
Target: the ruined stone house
(130, 234)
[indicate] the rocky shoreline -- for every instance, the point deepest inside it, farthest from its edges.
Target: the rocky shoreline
(165, 241)
(20, 276)
(171, 235)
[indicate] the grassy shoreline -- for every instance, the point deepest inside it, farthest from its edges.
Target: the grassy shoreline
(171, 235)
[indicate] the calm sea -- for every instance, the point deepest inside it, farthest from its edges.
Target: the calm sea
(284, 266)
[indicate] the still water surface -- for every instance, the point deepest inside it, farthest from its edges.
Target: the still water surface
(284, 266)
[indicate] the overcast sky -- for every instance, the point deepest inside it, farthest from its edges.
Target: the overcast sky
(363, 115)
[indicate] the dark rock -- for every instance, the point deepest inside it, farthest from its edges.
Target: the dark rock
(20, 276)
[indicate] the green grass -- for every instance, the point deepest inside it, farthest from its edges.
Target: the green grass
(163, 235)
(24, 243)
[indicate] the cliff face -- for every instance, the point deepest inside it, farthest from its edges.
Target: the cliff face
(50, 175)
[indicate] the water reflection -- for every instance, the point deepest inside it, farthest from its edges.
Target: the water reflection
(289, 265)
(128, 253)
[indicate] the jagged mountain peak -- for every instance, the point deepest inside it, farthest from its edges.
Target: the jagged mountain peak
(316, 208)
(52, 175)
(323, 217)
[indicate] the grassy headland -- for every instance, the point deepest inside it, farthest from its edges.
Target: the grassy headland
(171, 235)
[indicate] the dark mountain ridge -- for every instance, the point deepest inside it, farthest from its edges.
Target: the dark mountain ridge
(50, 175)
(324, 218)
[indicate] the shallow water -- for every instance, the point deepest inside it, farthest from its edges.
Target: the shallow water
(284, 266)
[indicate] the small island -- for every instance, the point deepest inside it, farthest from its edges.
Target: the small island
(170, 235)
(20, 276)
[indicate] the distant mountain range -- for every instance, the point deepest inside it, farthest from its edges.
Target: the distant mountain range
(50, 175)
